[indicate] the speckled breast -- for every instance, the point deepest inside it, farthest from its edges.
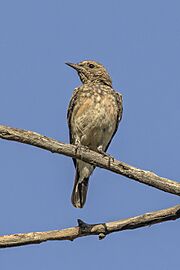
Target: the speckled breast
(95, 117)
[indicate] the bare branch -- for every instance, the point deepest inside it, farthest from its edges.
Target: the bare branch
(84, 229)
(97, 159)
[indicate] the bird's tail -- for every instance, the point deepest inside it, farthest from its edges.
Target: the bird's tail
(80, 189)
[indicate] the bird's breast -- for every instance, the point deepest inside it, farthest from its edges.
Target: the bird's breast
(95, 119)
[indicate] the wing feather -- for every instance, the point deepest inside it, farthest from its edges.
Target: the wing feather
(119, 114)
(69, 115)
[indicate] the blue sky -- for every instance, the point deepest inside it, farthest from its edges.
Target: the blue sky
(138, 42)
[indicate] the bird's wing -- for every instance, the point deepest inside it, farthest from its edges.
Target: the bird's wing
(69, 115)
(119, 114)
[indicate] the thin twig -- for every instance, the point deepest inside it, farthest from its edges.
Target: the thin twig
(97, 159)
(84, 229)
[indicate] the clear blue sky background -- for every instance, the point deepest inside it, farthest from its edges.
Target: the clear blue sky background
(139, 43)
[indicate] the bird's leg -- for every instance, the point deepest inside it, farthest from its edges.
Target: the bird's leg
(77, 141)
(77, 144)
(101, 151)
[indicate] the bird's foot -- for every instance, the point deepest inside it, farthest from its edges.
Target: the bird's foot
(77, 142)
(79, 146)
(86, 147)
(101, 151)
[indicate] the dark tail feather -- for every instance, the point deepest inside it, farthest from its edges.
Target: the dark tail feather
(79, 193)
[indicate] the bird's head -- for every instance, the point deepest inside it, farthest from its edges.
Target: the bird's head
(91, 71)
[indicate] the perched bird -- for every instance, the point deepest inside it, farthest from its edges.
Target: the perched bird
(94, 113)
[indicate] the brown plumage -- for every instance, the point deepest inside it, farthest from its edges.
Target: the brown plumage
(94, 113)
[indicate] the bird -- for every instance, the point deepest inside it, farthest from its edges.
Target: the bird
(94, 114)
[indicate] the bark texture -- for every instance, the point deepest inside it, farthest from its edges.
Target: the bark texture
(85, 229)
(94, 158)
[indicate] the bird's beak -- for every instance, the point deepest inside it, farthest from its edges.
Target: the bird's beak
(75, 66)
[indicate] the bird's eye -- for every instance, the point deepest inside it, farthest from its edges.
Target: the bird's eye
(91, 65)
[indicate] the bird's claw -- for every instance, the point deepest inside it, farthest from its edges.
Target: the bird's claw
(100, 150)
(78, 146)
